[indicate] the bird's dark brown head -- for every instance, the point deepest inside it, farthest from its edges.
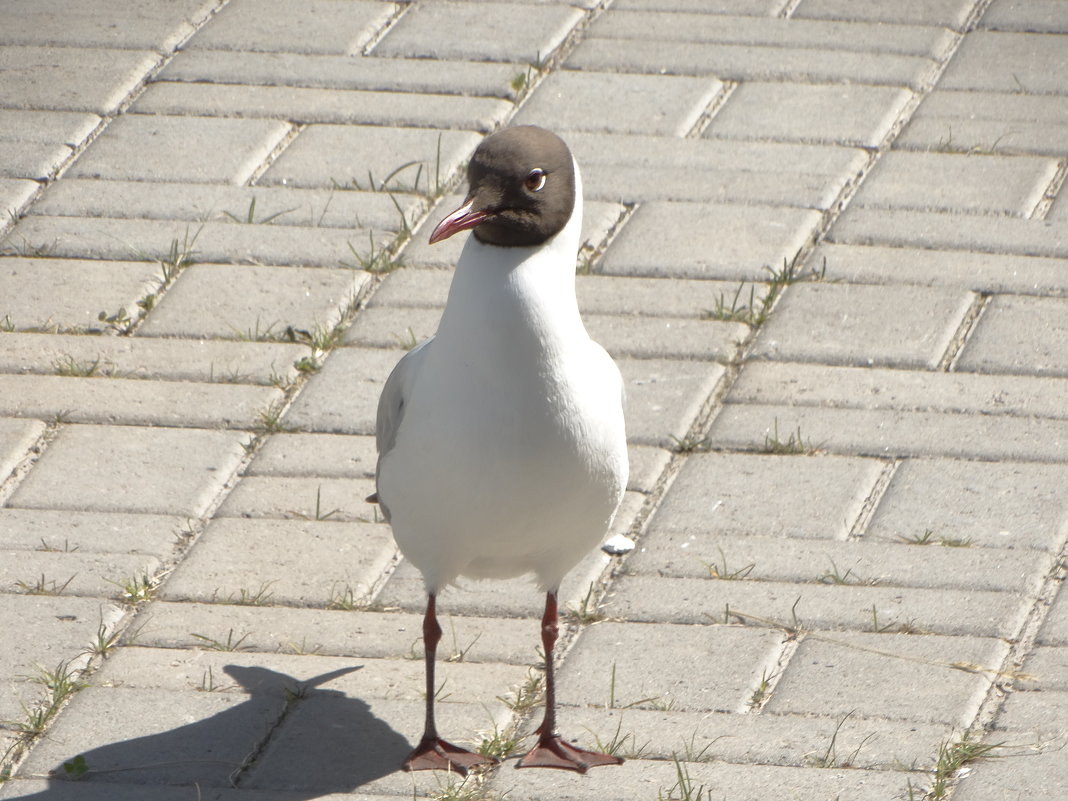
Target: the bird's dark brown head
(522, 189)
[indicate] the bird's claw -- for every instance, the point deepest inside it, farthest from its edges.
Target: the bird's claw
(433, 753)
(554, 752)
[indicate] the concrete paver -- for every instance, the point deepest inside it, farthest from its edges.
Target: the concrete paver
(521, 34)
(944, 182)
(848, 512)
(131, 469)
(179, 148)
(1009, 62)
(820, 113)
(647, 104)
(861, 325)
(319, 26)
(1020, 335)
(988, 122)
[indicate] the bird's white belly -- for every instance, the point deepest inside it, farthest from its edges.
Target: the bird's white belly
(497, 481)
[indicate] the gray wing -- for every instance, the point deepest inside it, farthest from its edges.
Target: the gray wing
(391, 403)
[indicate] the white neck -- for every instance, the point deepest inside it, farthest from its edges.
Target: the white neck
(522, 297)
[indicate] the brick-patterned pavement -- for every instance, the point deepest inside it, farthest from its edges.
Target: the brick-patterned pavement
(827, 243)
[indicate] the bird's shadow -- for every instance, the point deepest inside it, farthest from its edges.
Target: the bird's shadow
(321, 742)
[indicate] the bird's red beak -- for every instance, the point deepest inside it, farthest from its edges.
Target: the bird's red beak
(464, 218)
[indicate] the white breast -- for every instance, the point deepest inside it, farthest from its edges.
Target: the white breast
(511, 455)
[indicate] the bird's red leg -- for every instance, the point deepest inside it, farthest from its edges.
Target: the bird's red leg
(433, 753)
(552, 751)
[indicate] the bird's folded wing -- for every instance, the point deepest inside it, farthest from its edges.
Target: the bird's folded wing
(395, 395)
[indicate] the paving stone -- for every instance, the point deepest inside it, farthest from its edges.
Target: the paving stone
(312, 105)
(324, 156)
(317, 26)
(664, 397)
(949, 13)
(69, 294)
(393, 328)
(1039, 713)
(1018, 334)
(158, 737)
(145, 25)
(1046, 16)
(988, 122)
(342, 398)
(89, 79)
(88, 532)
(746, 62)
(479, 32)
(665, 153)
(647, 464)
(848, 114)
(370, 729)
(863, 325)
(1059, 210)
(760, 739)
(769, 383)
(17, 437)
(957, 183)
(1045, 669)
(641, 778)
(659, 105)
(640, 183)
(170, 148)
(61, 790)
(150, 358)
(1054, 629)
(37, 161)
(276, 674)
(610, 666)
(657, 599)
(46, 127)
(14, 194)
(992, 505)
(327, 632)
(249, 302)
(1032, 775)
(120, 401)
(72, 573)
(987, 272)
(767, 8)
(1009, 62)
(275, 205)
(838, 672)
(899, 564)
(220, 242)
(342, 72)
(724, 241)
(772, 31)
(643, 168)
(241, 559)
(51, 630)
(892, 434)
(785, 496)
(301, 497)
(120, 469)
(938, 231)
(319, 455)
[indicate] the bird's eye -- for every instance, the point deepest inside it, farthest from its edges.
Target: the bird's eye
(535, 180)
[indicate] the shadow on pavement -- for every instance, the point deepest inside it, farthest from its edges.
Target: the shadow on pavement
(324, 742)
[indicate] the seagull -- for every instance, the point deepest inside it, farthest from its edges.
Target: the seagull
(501, 442)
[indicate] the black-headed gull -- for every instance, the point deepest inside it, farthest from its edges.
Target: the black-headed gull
(501, 440)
